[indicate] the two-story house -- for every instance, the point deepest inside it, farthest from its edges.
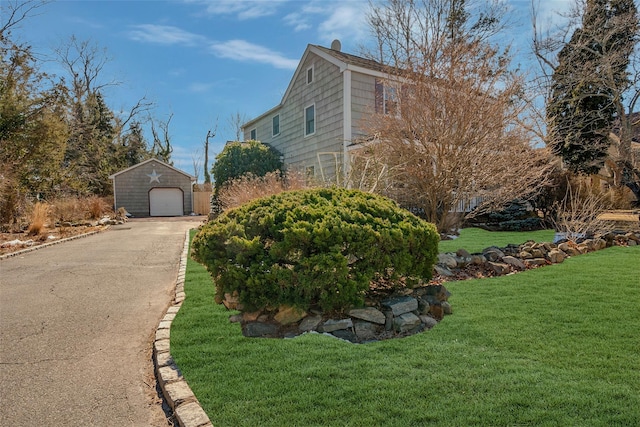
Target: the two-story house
(322, 112)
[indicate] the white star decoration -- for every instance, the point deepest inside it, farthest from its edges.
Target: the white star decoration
(153, 176)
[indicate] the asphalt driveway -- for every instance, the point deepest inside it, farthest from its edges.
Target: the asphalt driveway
(77, 322)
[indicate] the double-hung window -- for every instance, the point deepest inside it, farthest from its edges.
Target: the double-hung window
(275, 125)
(310, 120)
(253, 136)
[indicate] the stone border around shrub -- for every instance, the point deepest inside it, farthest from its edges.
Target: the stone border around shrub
(390, 316)
(175, 390)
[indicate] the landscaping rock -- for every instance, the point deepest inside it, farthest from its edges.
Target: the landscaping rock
(232, 301)
(405, 322)
(499, 268)
(493, 254)
(423, 305)
(345, 334)
(310, 323)
(446, 307)
(436, 311)
(537, 253)
(463, 253)
(369, 314)
(556, 256)
(235, 318)
(535, 262)
(251, 316)
(366, 331)
(443, 271)
(525, 255)
(447, 260)
(401, 305)
(259, 329)
(287, 315)
(514, 262)
(477, 259)
(428, 321)
(332, 325)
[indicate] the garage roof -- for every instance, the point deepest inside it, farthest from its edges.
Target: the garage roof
(191, 177)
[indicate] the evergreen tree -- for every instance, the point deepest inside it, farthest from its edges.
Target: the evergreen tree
(588, 83)
(32, 131)
(133, 148)
(242, 158)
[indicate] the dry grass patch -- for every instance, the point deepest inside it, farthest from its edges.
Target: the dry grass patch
(38, 219)
(250, 187)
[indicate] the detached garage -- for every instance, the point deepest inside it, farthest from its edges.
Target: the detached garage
(153, 188)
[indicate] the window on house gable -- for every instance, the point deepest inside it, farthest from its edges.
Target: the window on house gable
(275, 125)
(386, 98)
(390, 100)
(253, 136)
(310, 120)
(309, 75)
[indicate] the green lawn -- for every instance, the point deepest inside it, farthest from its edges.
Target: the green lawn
(476, 239)
(556, 346)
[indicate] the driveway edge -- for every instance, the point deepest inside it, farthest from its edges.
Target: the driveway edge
(176, 391)
(56, 242)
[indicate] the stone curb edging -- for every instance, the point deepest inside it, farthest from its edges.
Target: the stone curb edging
(176, 391)
(44, 245)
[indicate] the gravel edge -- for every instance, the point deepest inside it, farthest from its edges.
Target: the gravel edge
(56, 242)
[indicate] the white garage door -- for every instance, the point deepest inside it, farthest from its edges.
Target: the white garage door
(165, 202)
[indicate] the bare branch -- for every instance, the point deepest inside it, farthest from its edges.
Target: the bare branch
(13, 12)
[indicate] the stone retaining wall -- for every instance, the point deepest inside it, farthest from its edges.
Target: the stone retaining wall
(494, 261)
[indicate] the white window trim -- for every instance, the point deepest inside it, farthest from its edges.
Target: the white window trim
(273, 135)
(254, 130)
(313, 75)
(304, 120)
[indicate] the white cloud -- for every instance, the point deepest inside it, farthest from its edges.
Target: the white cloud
(347, 22)
(241, 50)
(164, 34)
(242, 9)
(297, 20)
(344, 20)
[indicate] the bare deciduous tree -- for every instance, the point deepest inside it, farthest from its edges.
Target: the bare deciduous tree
(196, 161)
(211, 133)
(13, 12)
(446, 119)
(235, 122)
(162, 148)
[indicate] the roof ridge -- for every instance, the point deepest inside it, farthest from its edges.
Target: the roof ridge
(351, 58)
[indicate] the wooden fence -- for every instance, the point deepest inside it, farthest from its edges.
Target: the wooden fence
(201, 202)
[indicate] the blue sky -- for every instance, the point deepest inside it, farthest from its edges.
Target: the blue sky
(204, 61)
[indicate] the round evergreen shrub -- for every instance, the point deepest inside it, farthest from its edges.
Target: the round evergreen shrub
(314, 248)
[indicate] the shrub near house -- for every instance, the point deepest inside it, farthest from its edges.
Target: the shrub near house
(314, 248)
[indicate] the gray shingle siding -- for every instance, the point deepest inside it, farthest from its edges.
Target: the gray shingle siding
(131, 187)
(326, 148)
